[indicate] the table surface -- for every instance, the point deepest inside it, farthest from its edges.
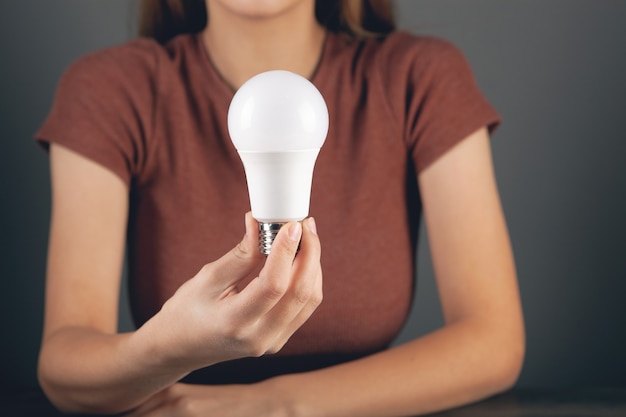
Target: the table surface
(575, 402)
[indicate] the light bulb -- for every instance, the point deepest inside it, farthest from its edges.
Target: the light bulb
(278, 122)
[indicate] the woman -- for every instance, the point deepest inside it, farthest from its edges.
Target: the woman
(140, 153)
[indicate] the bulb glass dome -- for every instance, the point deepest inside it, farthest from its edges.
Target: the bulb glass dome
(277, 111)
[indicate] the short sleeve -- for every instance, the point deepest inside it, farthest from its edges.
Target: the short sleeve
(444, 103)
(103, 108)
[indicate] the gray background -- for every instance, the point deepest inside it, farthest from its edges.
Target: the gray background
(554, 69)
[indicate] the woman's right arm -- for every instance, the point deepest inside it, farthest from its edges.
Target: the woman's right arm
(85, 366)
(83, 363)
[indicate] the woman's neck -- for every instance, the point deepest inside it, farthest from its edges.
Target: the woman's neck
(243, 46)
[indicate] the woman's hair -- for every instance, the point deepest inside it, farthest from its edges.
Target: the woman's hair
(164, 19)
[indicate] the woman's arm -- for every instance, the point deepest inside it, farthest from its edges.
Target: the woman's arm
(84, 366)
(89, 214)
(480, 349)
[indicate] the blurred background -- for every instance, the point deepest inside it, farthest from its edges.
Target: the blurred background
(554, 69)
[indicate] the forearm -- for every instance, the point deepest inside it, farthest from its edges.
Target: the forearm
(82, 370)
(457, 364)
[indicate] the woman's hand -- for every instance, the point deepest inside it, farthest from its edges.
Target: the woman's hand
(220, 314)
(185, 400)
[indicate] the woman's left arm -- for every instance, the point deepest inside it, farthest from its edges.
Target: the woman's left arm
(478, 352)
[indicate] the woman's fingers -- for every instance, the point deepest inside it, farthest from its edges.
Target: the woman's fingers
(241, 261)
(304, 272)
(303, 315)
(262, 293)
(304, 293)
(297, 291)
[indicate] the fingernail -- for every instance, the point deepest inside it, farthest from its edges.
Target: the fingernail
(295, 231)
(311, 225)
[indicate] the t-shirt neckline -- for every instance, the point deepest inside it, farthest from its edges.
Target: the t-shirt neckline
(225, 88)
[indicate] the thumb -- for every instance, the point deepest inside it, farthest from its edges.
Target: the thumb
(241, 260)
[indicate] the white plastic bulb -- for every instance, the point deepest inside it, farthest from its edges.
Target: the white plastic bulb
(278, 122)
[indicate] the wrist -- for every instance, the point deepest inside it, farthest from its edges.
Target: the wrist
(282, 391)
(153, 349)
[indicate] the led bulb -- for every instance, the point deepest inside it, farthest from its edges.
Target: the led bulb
(278, 122)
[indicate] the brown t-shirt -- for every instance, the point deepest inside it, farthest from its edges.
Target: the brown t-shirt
(156, 116)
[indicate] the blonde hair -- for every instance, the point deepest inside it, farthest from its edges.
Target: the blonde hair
(164, 19)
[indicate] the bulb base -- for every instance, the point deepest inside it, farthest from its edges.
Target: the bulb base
(267, 234)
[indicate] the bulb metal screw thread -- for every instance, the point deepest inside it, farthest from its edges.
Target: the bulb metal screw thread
(267, 234)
